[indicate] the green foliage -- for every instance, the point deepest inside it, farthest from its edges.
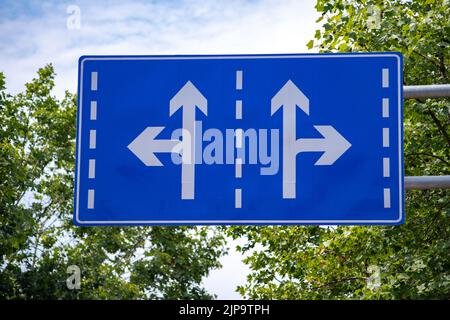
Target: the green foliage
(404, 262)
(38, 240)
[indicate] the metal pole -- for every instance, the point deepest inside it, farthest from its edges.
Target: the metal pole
(424, 92)
(428, 91)
(427, 182)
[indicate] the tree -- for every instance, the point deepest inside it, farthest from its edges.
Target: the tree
(409, 261)
(38, 239)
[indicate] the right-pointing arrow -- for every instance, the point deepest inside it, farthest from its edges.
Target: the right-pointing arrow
(333, 145)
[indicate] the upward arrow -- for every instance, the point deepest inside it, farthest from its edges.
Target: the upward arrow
(289, 97)
(189, 98)
(333, 145)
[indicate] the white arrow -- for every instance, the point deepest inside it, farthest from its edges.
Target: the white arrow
(189, 97)
(333, 145)
(145, 146)
(289, 97)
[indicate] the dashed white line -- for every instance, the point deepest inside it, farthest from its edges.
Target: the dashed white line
(386, 137)
(385, 77)
(386, 168)
(91, 168)
(387, 197)
(238, 172)
(385, 107)
(239, 137)
(91, 195)
(239, 109)
(239, 141)
(93, 110)
(92, 139)
(94, 80)
(238, 198)
(239, 80)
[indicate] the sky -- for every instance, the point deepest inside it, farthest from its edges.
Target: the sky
(35, 33)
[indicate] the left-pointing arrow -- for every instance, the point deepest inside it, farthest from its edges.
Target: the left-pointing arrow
(145, 146)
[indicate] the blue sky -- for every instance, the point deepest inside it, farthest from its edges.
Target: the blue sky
(34, 33)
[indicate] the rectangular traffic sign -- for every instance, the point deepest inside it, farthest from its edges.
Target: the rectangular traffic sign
(240, 139)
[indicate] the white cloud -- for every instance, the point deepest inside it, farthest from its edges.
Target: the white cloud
(169, 27)
(29, 40)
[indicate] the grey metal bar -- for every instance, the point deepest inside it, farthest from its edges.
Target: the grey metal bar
(427, 182)
(428, 91)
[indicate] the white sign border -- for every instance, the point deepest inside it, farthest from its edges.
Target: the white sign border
(240, 222)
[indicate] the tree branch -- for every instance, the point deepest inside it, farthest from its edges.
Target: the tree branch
(442, 67)
(340, 280)
(439, 125)
(430, 155)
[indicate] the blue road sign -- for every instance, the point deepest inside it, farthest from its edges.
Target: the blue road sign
(240, 139)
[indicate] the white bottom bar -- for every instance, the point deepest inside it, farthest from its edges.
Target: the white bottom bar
(387, 198)
(238, 198)
(386, 168)
(91, 195)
